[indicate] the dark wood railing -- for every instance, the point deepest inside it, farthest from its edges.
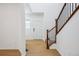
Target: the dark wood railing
(73, 8)
(61, 11)
(51, 29)
(48, 31)
(47, 46)
(68, 10)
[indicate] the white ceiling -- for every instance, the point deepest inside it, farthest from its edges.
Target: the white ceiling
(41, 7)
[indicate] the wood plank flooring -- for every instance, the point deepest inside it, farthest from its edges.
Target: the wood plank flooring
(10, 52)
(38, 48)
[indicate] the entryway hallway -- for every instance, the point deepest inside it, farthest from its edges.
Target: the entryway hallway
(37, 47)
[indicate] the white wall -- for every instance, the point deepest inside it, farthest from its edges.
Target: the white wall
(27, 18)
(21, 25)
(12, 27)
(68, 37)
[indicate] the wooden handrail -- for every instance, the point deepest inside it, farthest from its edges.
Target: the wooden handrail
(51, 29)
(47, 46)
(61, 11)
(47, 39)
(68, 18)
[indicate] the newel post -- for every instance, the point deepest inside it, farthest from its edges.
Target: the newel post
(47, 41)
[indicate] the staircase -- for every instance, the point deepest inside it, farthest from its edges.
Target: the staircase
(66, 13)
(50, 42)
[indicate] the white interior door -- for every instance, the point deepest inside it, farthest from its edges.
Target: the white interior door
(36, 26)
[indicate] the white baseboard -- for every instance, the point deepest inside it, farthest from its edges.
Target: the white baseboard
(53, 46)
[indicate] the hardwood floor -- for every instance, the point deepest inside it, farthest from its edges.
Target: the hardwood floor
(10, 52)
(35, 48)
(38, 48)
